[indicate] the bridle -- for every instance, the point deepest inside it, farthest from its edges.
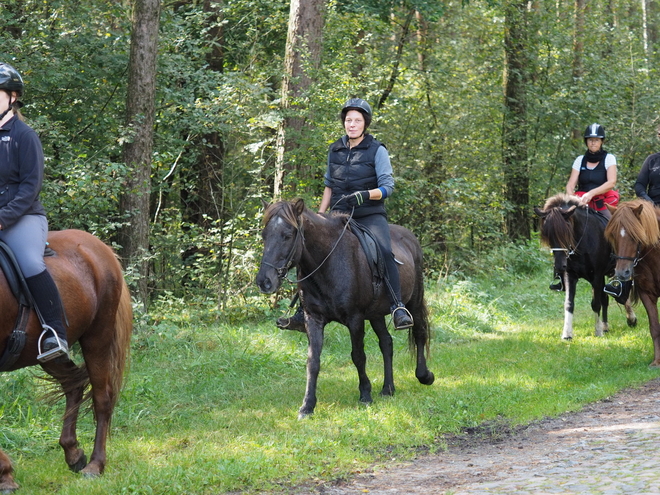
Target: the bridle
(284, 269)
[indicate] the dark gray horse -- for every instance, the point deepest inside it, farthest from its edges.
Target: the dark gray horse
(336, 284)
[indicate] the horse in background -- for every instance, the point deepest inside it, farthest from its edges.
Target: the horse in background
(336, 284)
(575, 234)
(98, 310)
(634, 234)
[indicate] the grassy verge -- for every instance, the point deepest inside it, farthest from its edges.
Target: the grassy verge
(211, 408)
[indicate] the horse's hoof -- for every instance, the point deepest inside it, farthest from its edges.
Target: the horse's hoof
(91, 471)
(632, 323)
(7, 487)
(654, 365)
(304, 415)
(428, 379)
(567, 338)
(79, 465)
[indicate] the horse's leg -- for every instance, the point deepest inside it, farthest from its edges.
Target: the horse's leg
(315, 328)
(7, 483)
(419, 335)
(359, 358)
(599, 303)
(387, 350)
(73, 381)
(570, 282)
(631, 317)
(651, 304)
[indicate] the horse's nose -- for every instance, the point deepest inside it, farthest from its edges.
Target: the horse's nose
(264, 283)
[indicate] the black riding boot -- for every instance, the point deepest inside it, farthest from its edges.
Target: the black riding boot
(46, 297)
(400, 315)
(295, 322)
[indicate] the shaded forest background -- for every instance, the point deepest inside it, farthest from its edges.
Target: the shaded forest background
(482, 106)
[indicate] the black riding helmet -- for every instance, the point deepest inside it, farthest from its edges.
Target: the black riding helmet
(10, 79)
(361, 106)
(594, 131)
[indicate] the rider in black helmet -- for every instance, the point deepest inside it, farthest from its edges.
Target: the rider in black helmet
(358, 179)
(594, 175)
(23, 224)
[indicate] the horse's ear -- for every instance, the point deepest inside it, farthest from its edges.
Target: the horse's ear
(541, 213)
(611, 208)
(638, 211)
(265, 204)
(567, 213)
(299, 206)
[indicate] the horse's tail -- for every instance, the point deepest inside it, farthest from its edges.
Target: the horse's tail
(120, 345)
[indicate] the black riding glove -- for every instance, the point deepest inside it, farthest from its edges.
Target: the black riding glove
(357, 198)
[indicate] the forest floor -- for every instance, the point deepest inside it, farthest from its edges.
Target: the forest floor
(609, 447)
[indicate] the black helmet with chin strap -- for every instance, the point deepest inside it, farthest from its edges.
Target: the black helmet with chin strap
(10, 79)
(361, 106)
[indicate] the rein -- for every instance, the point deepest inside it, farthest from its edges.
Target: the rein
(284, 270)
(573, 250)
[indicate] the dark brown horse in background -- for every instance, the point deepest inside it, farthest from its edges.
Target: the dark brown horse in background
(634, 234)
(336, 284)
(575, 234)
(98, 309)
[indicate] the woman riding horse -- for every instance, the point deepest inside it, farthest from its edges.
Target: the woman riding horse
(358, 179)
(23, 224)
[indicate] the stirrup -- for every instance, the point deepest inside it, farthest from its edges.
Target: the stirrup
(62, 349)
(404, 309)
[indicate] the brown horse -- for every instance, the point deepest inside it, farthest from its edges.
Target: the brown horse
(336, 284)
(98, 309)
(634, 234)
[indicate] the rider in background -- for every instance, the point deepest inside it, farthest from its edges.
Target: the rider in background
(648, 181)
(594, 173)
(23, 224)
(358, 179)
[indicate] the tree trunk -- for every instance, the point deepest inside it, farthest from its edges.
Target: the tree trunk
(578, 38)
(514, 138)
(303, 44)
(134, 202)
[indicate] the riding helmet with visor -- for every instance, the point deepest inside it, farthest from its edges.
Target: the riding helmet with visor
(594, 131)
(361, 106)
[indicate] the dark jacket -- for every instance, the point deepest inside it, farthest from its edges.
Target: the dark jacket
(351, 170)
(592, 178)
(21, 172)
(648, 181)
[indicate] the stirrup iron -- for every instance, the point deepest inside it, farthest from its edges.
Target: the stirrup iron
(55, 352)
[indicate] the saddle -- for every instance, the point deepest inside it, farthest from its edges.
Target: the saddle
(372, 251)
(21, 292)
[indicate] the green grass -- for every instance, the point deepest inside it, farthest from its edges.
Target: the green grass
(212, 408)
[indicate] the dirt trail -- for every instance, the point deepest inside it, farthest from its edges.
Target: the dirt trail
(608, 447)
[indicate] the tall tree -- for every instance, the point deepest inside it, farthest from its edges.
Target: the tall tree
(134, 202)
(514, 126)
(303, 48)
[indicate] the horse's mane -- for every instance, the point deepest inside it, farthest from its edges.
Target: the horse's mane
(563, 201)
(287, 210)
(639, 219)
(554, 225)
(283, 209)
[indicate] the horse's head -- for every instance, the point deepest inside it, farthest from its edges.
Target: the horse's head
(558, 227)
(283, 243)
(633, 228)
